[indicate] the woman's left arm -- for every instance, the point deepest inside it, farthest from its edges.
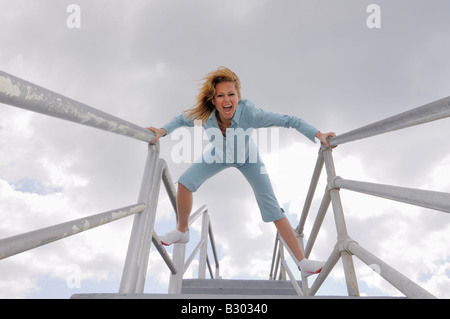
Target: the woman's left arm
(261, 118)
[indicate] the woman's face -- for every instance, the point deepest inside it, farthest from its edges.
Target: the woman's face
(226, 100)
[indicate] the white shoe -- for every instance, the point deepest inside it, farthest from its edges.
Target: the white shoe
(174, 236)
(310, 267)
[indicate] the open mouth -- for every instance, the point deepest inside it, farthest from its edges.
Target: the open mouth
(228, 109)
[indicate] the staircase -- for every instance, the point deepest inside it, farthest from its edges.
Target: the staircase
(228, 289)
(217, 289)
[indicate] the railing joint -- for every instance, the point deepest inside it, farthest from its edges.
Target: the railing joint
(299, 235)
(332, 183)
(324, 148)
(344, 242)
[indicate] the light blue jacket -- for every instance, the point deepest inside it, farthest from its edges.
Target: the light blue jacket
(237, 144)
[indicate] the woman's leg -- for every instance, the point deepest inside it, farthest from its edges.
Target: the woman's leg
(308, 267)
(288, 234)
(271, 211)
(188, 183)
(184, 207)
(268, 204)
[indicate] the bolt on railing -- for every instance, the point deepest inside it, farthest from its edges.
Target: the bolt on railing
(26, 95)
(346, 246)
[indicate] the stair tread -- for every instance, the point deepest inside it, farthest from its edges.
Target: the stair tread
(237, 286)
(209, 296)
(246, 283)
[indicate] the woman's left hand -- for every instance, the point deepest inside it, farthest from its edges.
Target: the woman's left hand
(323, 137)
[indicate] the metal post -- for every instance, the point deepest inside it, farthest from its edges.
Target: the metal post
(272, 274)
(163, 252)
(214, 250)
(311, 191)
(282, 270)
(276, 258)
(347, 261)
(305, 285)
(329, 265)
(291, 276)
(204, 249)
(169, 186)
(318, 222)
(176, 280)
(148, 234)
(136, 244)
(179, 255)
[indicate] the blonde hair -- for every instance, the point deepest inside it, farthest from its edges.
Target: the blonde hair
(204, 106)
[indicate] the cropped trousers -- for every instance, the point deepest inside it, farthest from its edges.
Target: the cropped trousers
(256, 175)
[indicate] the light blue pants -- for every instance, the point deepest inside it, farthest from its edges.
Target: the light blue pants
(256, 175)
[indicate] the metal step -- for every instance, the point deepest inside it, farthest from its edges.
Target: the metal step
(238, 287)
(212, 296)
(225, 289)
(194, 296)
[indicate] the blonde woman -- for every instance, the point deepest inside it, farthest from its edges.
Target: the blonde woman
(225, 118)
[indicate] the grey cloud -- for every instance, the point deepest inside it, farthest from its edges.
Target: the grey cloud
(143, 62)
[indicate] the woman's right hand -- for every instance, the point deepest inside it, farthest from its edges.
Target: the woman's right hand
(159, 132)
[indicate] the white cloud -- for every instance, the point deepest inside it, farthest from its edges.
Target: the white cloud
(98, 253)
(58, 174)
(440, 176)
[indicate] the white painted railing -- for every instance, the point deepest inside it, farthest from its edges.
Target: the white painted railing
(23, 94)
(346, 247)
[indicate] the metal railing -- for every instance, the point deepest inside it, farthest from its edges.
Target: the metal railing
(23, 94)
(346, 247)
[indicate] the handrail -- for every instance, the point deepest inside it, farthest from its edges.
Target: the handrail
(419, 197)
(19, 243)
(26, 95)
(426, 113)
(345, 246)
(398, 280)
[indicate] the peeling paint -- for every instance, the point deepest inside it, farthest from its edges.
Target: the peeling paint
(31, 94)
(86, 225)
(7, 87)
(118, 215)
(75, 229)
(123, 213)
(37, 99)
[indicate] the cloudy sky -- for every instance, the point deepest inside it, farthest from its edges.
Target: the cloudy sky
(143, 60)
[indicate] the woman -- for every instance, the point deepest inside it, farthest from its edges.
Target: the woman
(225, 117)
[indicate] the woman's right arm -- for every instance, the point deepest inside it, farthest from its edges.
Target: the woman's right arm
(172, 125)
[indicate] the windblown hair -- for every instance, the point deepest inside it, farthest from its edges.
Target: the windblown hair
(204, 106)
